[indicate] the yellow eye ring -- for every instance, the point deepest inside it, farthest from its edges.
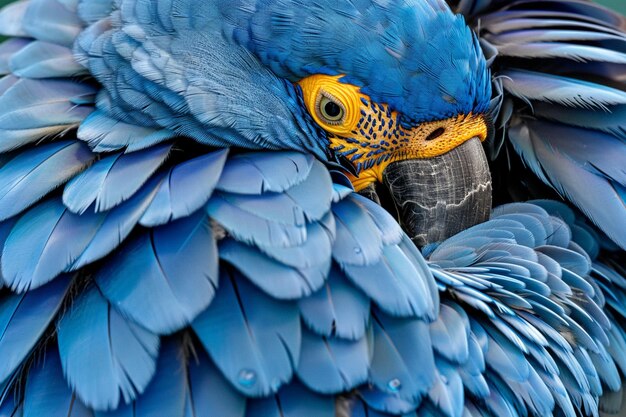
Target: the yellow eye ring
(328, 108)
(320, 90)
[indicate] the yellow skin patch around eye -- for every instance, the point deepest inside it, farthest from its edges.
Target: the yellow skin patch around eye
(370, 136)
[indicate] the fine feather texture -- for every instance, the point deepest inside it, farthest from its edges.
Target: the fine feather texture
(166, 393)
(162, 280)
(209, 395)
(396, 367)
(23, 320)
(544, 145)
(293, 401)
(112, 180)
(336, 309)
(260, 348)
(329, 365)
(34, 173)
(47, 392)
(31, 257)
(33, 109)
(313, 296)
(120, 355)
(45, 60)
(186, 189)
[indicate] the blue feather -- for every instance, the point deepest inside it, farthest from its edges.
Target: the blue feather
(336, 309)
(7, 82)
(403, 364)
(473, 370)
(31, 254)
(209, 395)
(166, 393)
(24, 319)
(5, 229)
(389, 229)
(46, 393)
(398, 285)
(447, 392)
(358, 241)
(113, 180)
(276, 278)
(562, 162)
(11, 18)
(610, 121)
(104, 134)
(530, 85)
(275, 219)
(538, 35)
(49, 20)
(188, 186)
(450, 333)
(36, 257)
(577, 53)
(9, 48)
(114, 226)
(333, 365)
(259, 173)
(10, 406)
(504, 358)
(571, 260)
(91, 12)
(535, 394)
(163, 279)
(34, 173)
(32, 109)
(103, 355)
(45, 60)
(259, 347)
(384, 404)
(292, 401)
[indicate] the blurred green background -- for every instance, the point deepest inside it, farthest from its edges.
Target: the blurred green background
(619, 5)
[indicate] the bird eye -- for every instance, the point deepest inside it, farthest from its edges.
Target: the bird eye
(335, 106)
(330, 110)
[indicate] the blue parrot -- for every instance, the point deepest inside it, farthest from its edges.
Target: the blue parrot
(283, 208)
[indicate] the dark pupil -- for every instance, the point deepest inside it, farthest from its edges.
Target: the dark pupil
(332, 109)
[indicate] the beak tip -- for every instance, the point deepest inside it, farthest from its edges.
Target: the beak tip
(441, 196)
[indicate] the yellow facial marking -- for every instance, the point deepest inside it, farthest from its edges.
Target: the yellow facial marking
(370, 135)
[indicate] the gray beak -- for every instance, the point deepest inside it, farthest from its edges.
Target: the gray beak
(439, 197)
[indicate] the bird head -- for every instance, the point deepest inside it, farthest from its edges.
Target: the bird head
(394, 91)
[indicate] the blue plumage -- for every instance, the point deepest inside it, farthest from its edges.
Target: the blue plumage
(293, 401)
(112, 180)
(259, 348)
(47, 393)
(336, 309)
(32, 109)
(35, 173)
(186, 189)
(166, 393)
(120, 356)
(152, 265)
(328, 365)
(403, 364)
(42, 59)
(23, 320)
(209, 394)
(164, 279)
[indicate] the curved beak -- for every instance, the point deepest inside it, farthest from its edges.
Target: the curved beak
(441, 184)
(441, 196)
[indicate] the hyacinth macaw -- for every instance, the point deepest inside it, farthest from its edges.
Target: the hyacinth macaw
(262, 208)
